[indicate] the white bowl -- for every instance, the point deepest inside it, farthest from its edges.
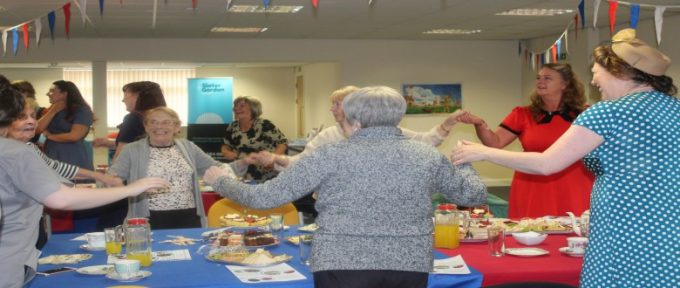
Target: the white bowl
(529, 238)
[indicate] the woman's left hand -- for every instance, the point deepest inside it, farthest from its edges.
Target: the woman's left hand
(467, 151)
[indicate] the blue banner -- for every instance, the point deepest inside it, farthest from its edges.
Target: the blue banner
(210, 100)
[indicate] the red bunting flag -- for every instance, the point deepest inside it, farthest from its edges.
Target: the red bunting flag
(553, 51)
(613, 6)
(576, 26)
(193, 4)
(67, 18)
(315, 3)
(25, 29)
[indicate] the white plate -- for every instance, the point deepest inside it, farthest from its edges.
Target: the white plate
(95, 270)
(288, 257)
(87, 247)
(140, 275)
(526, 252)
(567, 251)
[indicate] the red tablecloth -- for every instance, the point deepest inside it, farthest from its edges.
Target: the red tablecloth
(555, 267)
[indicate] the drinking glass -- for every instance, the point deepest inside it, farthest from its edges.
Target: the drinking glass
(305, 249)
(496, 236)
(114, 240)
(276, 225)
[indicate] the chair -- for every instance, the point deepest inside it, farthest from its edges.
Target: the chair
(226, 206)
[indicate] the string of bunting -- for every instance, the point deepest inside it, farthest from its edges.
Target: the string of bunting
(554, 52)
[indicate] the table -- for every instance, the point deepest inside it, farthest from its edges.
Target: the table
(198, 272)
(555, 267)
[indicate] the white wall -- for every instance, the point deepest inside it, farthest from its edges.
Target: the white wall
(489, 72)
(40, 78)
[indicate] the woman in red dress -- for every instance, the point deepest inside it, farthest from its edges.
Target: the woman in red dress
(555, 103)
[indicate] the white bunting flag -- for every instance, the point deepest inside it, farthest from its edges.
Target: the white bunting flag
(4, 42)
(658, 22)
(38, 30)
(83, 10)
(596, 7)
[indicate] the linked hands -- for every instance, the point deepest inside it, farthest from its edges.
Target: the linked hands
(467, 151)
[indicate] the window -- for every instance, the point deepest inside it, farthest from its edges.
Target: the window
(174, 83)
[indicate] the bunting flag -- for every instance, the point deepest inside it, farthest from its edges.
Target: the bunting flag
(315, 3)
(596, 8)
(83, 10)
(566, 41)
(101, 7)
(559, 48)
(582, 13)
(193, 4)
(576, 26)
(553, 51)
(4, 42)
(228, 4)
(51, 18)
(613, 6)
(634, 15)
(370, 2)
(67, 19)
(658, 22)
(24, 28)
(15, 40)
(38, 30)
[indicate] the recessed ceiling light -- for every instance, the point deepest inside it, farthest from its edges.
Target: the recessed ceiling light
(453, 31)
(238, 29)
(261, 9)
(535, 12)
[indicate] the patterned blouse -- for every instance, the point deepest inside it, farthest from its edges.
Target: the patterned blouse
(263, 135)
(168, 163)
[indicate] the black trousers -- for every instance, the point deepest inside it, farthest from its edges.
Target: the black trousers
(369, 279)
(173, 219)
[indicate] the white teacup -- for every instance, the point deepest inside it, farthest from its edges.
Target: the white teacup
(126, 268)
(96, 240)
(577, 245)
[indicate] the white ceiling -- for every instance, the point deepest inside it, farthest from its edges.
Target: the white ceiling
(334, 19)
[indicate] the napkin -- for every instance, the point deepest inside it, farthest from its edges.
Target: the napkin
(276, 273)
(452, 265)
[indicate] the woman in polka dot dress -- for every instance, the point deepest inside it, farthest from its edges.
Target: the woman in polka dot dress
(630, 141)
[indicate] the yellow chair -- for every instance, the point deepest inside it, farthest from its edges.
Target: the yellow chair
(226, 206)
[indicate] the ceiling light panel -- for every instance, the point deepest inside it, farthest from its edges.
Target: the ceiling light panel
(535, 12)
(260, 9)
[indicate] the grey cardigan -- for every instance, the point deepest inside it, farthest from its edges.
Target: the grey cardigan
(132, 164)
(374, 199)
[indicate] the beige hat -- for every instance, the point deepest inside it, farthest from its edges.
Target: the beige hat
(638, 54)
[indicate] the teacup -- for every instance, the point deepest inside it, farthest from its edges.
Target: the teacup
(96, 240)
(126, 268)
(577, 245)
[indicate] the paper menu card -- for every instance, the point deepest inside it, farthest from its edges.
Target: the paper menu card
(452, 265)
(158, 256)
(276, 273)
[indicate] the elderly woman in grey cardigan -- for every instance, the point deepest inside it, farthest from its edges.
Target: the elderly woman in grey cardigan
(374, 196)
(177, 160)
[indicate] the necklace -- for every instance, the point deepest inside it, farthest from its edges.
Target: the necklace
(167, 146)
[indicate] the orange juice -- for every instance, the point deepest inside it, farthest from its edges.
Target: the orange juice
(144, 258)
(114, 247)
(446, 236)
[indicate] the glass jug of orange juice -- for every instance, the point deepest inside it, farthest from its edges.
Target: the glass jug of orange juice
(446, 226)
(138, 240)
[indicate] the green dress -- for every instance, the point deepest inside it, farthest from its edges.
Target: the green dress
(635, 214)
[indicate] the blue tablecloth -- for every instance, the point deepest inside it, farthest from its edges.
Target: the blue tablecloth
(198, 272)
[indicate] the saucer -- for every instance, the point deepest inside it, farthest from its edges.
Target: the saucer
(95, 270)
(567, 251)
(87, 247)
(526, 252)
(140, 275)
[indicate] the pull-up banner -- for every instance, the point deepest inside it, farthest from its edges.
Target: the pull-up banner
(210, 111)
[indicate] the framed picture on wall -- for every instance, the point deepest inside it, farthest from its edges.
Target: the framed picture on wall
(432, 98)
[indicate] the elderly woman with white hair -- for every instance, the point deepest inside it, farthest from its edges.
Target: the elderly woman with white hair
(374, 196)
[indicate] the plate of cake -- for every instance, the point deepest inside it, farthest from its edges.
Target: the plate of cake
(237, 220)
(236, 256)
(251, 238)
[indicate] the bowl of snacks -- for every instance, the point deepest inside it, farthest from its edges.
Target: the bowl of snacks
(529, 238)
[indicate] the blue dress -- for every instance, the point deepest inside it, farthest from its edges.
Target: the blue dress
(635, 213)
(76, 152)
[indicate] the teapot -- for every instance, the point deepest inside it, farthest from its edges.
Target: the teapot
(580, 227)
